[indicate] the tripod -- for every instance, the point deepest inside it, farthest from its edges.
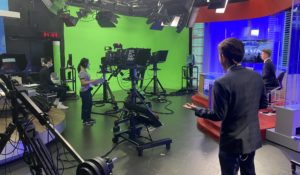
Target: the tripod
(135, 114)
(38, 157)
(107, 90)
(156, 83)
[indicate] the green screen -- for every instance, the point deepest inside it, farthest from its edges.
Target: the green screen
(88, 39)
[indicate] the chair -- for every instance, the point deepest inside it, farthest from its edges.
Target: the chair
(273, 93)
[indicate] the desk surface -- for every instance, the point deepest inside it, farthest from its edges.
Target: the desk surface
(56, 116)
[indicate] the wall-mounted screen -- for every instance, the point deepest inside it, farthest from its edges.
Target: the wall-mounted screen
(12, 63)
(253, 50)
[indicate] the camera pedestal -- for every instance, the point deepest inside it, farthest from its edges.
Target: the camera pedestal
(137, 112)
(108, 96)
(133, 134)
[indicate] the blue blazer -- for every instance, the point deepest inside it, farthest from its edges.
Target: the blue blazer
(237, 97)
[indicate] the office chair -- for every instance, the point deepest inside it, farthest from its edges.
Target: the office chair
(275, 90)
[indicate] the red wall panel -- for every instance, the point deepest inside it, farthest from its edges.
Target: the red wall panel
(244, 10)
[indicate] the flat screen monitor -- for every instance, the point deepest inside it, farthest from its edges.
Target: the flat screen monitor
(137, 56)
(12, 63)
(253, 49)
(159, 56)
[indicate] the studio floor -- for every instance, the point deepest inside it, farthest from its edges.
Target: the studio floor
(192, 152)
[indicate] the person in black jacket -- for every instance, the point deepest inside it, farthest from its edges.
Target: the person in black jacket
(237, 97)
(46, 84)
(268, 73)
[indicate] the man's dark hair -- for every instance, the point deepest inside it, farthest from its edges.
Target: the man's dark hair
(232, 49)
(267, 51)
(47, 59)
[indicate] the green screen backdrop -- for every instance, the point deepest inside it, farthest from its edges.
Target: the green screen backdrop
(88, 39)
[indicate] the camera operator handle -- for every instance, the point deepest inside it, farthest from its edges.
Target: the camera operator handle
(99, 166)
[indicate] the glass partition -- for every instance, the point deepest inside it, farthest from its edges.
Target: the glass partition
(269, 32)
(293, 73)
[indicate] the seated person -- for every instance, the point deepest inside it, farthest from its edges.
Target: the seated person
(46, 83)
(268, 74)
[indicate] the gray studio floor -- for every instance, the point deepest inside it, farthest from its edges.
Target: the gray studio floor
(192, 152)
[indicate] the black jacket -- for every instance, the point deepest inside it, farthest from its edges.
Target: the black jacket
(269, 76)
(45, 79)
(237, 97)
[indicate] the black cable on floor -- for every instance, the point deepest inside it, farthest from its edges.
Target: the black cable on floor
(57, 155)
(170, 111)
(67, 160)
(114, 147)
(105, 114)
(182, 92)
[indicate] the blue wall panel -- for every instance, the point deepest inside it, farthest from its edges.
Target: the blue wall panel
(3, 6)
(270, 36)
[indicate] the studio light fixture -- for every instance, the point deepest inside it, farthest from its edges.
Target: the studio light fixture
(10, 14)
(182, 23)
(107, 19)
(54, 5)
(168, 14)
(69, 20)
(222, 10)
(84, 12)
(175, 21)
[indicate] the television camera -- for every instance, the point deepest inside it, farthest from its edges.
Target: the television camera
(136, 111)
(116, 56)
(126, 58)
(40, 159)
(131, 58)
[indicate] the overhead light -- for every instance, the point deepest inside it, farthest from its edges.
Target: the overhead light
(82, 13)
(157, 25)
(69, 20)
(175, 21)
(54, 5)
(182, 23)
(222, 10)
(10, 14)
(107, 19)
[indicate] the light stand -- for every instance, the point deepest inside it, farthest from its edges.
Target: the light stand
(106, 90)
(136, 114)
(157, 57)
(156, 83)
(39, 156)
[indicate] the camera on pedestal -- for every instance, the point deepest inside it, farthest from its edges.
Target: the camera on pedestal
(157, 57)
(137, 112)
(111, 58)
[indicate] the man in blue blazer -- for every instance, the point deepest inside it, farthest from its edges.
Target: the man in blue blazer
(237, 97)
